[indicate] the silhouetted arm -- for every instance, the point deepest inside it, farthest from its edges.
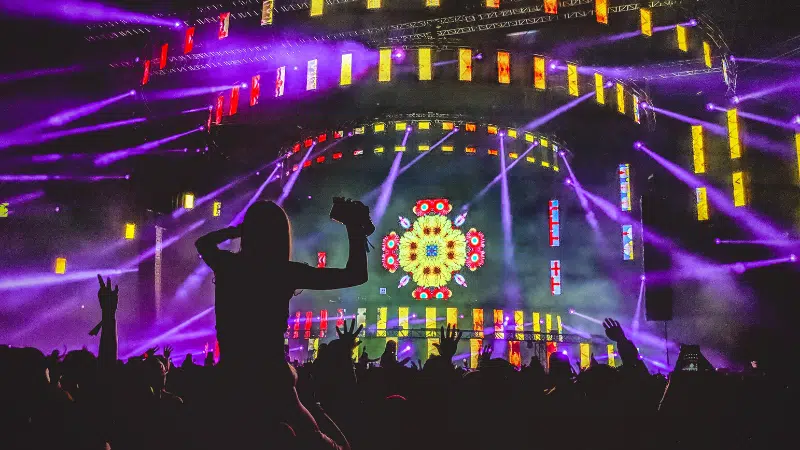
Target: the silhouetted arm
(208, 248)
(354, 273)
(108, 297)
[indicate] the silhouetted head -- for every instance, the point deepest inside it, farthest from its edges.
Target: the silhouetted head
(266, 232)
(391, 347)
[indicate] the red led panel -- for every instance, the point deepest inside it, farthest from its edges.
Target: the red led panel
(220, 102)
(323, 322)
(308, 142)
(146, 75)
(296, 148)
(307, 164)
(255, 90)
(322, 137)
(162, 62)
(337, 155)
(188, 41)
(320, 159)
(234, 107)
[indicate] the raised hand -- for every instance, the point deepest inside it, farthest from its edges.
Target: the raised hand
(167, 351)
(614, 330)
(151, 351)
(109, 298)
(448, 341)
(485, 356)
(348, 336)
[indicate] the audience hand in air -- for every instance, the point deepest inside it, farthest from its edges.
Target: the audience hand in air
(108, 297)
(485, 356)
(348, 337)
(448, 342)
(614, 330)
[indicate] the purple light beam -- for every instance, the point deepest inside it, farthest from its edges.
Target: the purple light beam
(117, 155)
(537, 123)
(287, 188)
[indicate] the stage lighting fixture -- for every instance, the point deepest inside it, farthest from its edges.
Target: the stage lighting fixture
(734, 141)
(307, 164)
(739, 198)
(707, 54)
(320, 159)
(572, 79)
(735, 100)
(373, 4)
(447, 126)
(550, 6)
(493, 4)
(188, 200)
(503, 67)
(400, 126)
(792, 258)
(424, 125)
(358, 130)
(493, 152)
(599, 89)
(502, 134)
(643, 277)
(425, 65)
(130, 231)
(710, 106)
(646, 21)
(432, 3)
(61, 266)
(553, 65)
(360, 152)
(545, 163)
(698, 151)
(216, 208)
(539, 76)
(378, 127)
(266, 12)
(638, 145)
(683, 43)
(377, 150)
(717, 241)
(337, 155)
(316, 8)
(447, 148)
(529, 137)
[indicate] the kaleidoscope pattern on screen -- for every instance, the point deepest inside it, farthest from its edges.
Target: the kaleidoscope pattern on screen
(433, 250)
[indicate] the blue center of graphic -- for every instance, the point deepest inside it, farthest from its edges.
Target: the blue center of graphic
(432, 250)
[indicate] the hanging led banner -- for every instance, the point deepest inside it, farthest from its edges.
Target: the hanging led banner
(554, 224)
(627, 242)
(280, 81)
(555, 277)
(625, 186)
(255, 89)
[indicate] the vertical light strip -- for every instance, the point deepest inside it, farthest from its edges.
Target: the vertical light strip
(430, 321)
(307, 324)
(311, 76)
(514, 356)
(266, 12)
(707, 54)
(280, 81)
(385, 65)
(519, 325)
(346, 73)
(683, 42)
(734, 142)
(551, 6)
(255, 89)
(452, 317)
(503, 67)
(548, 325)
(425, 64)
(601, 11)
(537, 326)
(797, 151)
(402, 321)
(381, 322)
(572, 79)
(646, 21)
(317, 7)
(620, 98)
(612, 361)
(361, 319)
(234, 106)
(477, 322)
(586, 355)
(554, 224)
(698, 150)
(555, 277)
(539, 73)
(702, 203)
(739, 195)
(498, 324)
(636, 117)
(158, 259)
(625, 186)
(373, 4)
(432, 351)
(599, 89)
(474, 352)
(313, 347)
(465, 64)
(560, 328)
(627, 242)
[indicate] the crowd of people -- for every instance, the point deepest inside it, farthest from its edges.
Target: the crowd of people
(254, 399)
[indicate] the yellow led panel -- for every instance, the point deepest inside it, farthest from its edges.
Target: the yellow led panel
(537, 326)
(216, 209)
(599, 89)
(399, 148)
(620, 98)
(586, 355)
(470, 150)
(471, 127)
(545, 163)
(572, 80)
(130, 231)
(512, 133)
(739, 198)
(702, 203)
(707, 54)
(698, 151)
(513, 155)
(465, 64)
(373, 4)
(402, 321)
(447, 126)
(424, 147)
(379, 149)
(646, 20)
(61, 266)
(188, 201)
(612, 362)
(601, 11)
(734, 143)
(544, 142)
(385, 65)
(503, 67)
(432, 3)
(491, 129)
(358, 130)
(447, 148)
(529, 137)
(430, 321)
(346, 73)
(399, 126)
(425, 64)
(452, 317)
(683, 42)
(317, 7)
(530, 159)
(379, 127)
(381, 322)
(424, 125)
(539, 73)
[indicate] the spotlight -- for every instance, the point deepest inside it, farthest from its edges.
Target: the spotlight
(732, 58)
(564, 352)
(294, 68)
(244, 85)
(461, 316)
(479, 56)
(413, 316)
(568, 181)
(455, 129)
(349, 134)
(132, 92)
(201, 128)
(693, 23)
(739, 268)
(178, 24)
(792, 258)
(717, 241)
(58, 209)
(309, 197)
(572, 310)
(553, 65)
(136, 59)
(644, 105)
(643, 277)
(638, 145)
(561, 153)
(710, 106)
(409, 129)
(502, 133)
(735, 100)
(796, 119)
(609, 84)
(127, 177)
(408, 347)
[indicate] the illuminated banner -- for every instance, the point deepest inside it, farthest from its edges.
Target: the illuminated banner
(361, 319)
(514, 356)
(599, 89)
(311, 75)
(402, 321)
(734, 141)
(698, 151)
(625, 187)
(627, 242)
(322, 260)
(707, 54)
(425, 65)
(539, 76)
(220, 103)
(572, 80)
(554, 224)
(555, 277)
(465, 64)
(586, 355)
(475, 346)
(280, 81)
(739, 198)
(646, 21)
(224, 22)
(188, 41)
(503, 68)
(493, 4)
(620, 98)
(373, 4)
(255, 89)
(498, 324)
(3, 210)
(307, 325)
(385, 65)
(323, 323)
(430, 322)
(519, 325)
(601, 11)
(346, 72)
(317, 7)
(636, 117)
(477, 322)
(162, 62)
(551, 6)
(702, 204)
(380, 329)
(296, 328)
(234, 107)
(266, 12)
(146, 75)
(683, 42)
